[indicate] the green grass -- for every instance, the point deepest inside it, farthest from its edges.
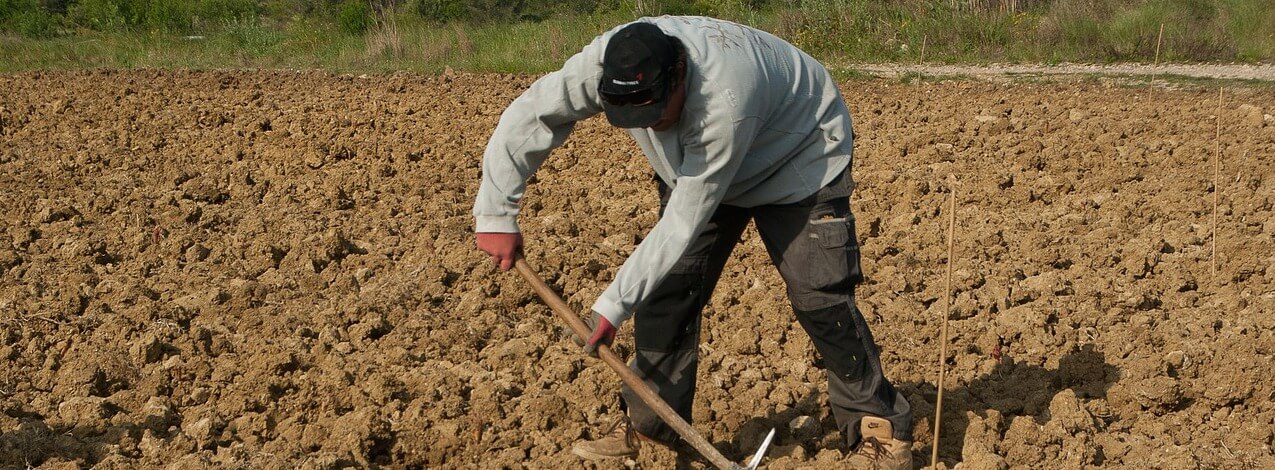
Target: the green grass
(348, 36)
(398, 43)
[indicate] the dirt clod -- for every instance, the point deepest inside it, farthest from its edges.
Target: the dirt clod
(275, 269)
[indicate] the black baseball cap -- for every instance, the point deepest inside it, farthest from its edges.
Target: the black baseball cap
(637, 74)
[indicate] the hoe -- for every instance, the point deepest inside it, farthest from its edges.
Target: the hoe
(631, 379)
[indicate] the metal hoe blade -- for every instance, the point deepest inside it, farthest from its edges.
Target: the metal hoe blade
(761, 451)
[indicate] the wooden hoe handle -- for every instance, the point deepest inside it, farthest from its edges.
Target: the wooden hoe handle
(627, 375)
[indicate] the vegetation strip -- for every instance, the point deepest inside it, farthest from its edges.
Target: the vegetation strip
(535, 36)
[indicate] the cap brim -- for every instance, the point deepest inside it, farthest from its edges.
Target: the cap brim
(630, 117)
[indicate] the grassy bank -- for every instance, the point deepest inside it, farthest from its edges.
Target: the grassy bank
(395, 44)
(487, 35)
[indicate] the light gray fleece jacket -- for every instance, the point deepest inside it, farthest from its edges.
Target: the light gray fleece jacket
(763, 123)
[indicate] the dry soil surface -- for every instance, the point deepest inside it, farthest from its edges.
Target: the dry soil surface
(1154, 72)
(248, 269)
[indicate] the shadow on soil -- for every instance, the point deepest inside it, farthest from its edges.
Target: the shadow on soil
(34, 443)
(1011, 388)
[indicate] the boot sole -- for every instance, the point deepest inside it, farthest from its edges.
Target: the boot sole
(589, 455)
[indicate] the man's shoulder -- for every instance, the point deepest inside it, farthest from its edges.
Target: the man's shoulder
(723, 32)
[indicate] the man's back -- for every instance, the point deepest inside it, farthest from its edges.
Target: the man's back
(756, 97)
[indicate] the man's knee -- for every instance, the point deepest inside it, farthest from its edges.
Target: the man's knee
(669, 319)
(838, 340)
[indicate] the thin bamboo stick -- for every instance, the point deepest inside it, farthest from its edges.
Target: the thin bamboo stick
(1217, 167)
(924, 39)
(947, 312)
(1158, 40)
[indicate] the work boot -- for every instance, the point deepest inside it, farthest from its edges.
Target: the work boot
(620, 441)
(878, 449)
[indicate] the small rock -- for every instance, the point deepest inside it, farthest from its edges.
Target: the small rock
(372, 326)
(246, 425)
(245, 290)
(197, 252)
(1221, 414)
(85, 412)
(981, 436)
(172, 363)
(199, 396)
(147, 350)
(8, 259)
(314, 158)
(1065, 408)
(1077, 114)
(204, 189)
(157, 415)
(991, 125)
(1252, 116)
(54, 212)
(804, 428)
(80, 380)
(204, 430)
(1158, 394)
(22, 236)
(150, 446)
(199, 429)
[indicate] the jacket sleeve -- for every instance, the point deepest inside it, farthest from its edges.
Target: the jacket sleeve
(710, 160)
(532, 126)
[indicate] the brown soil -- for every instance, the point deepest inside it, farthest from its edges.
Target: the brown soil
(275, 269)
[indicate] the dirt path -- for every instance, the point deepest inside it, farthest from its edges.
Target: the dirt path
(245, 269)
(1010, 71)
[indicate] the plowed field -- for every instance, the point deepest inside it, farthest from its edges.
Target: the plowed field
(275, 270)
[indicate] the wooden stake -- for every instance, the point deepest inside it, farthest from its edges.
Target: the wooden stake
(1217, 166)
(923, 41)
(1239, 169)
(1158, 40)
(947, 312)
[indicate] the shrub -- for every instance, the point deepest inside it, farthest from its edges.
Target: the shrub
(25, 17)
(100, 15)
(176, 16)
(248, 35)
(216, 11)
(355, 16)
(438, 10)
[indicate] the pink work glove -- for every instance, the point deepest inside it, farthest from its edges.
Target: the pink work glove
(504, 248)
(603, 333)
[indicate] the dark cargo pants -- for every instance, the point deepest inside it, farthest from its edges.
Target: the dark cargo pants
(813, 244)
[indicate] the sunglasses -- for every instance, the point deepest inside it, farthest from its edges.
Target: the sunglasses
(655, 93)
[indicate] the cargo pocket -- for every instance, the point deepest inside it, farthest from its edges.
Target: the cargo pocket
(834, 261)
